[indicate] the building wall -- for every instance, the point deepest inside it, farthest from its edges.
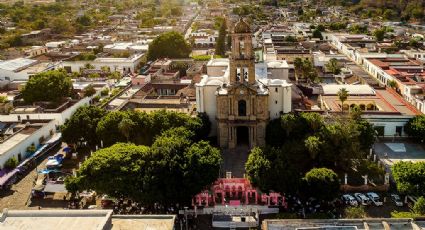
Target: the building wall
(279, 101)
(21, 147)
(59, 118)
(389, 122)
(206, 103)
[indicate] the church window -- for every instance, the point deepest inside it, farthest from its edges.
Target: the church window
(242, 49)
(242, 108)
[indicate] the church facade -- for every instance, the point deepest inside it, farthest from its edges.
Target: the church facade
(240, 96)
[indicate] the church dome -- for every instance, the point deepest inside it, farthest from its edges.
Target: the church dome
(242, 27)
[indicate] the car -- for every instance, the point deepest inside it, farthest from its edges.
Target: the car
(374, 198)
(396, 199)
(362, 199)
(349, 199)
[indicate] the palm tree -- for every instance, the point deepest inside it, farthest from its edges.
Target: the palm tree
(312, 143)
(125, 127)
(343, 96)
(298, 65)
(333, 66)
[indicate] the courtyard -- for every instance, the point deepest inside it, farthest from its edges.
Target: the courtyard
(392, 152)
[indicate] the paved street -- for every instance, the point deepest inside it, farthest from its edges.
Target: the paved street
(19, 194)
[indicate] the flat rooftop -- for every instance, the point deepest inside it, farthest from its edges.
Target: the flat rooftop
(143, 222)
(16, 64)
(19, 136)
(81, 219)
(341, 224)
(54, 219)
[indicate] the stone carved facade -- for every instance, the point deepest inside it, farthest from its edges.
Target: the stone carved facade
(242, 113)
(240, 95)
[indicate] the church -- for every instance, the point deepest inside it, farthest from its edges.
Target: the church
(241, 95)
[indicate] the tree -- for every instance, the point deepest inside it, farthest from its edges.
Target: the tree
(3, 99)
(313, 143)
(322, 183)
(415, 127)
(367, 133)
(343, 96)
(317, 34)
(409, 177)
(333, 66)
(172, 171)
(117, 170)
(298, 64)
(125, 127)
(379, 34)
(47, 86)
(84, 20)
(89, 91)
(81, 126)
(257, 168)
(11, 163)
(220, 47)
(168, 45)
(419, 207)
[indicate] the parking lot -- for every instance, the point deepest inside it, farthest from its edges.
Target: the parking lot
(382, 208)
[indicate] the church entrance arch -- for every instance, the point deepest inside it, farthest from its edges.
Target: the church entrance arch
(242, 134)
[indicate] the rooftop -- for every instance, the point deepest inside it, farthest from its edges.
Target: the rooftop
(82, 219)
(16, 64)
(340, 224)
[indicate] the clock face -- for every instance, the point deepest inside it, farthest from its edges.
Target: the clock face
(241, 92)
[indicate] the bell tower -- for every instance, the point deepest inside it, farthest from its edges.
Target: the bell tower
(242, 68)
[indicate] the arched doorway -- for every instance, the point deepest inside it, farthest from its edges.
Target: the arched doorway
(242, 133)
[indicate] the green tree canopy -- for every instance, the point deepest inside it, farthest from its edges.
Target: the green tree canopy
(172, 171)
(168, 45)
(415, 127)
(322, 183)
(82, 125)
(143, 128)
(419, 207)
(379, 34)
(47, 86)
(409, 177)
(220, 47)
(333, 66)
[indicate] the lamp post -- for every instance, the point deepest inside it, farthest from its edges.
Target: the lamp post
(185, 216)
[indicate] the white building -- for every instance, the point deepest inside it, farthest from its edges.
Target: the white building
(20, 69)
(271, 75)
(123, 65)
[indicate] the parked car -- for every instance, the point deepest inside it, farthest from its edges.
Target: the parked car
(349, 199)
(362, 199)
(396, 199)
(374, 198)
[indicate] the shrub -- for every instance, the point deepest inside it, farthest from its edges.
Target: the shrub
(11, 163)
(355, 212)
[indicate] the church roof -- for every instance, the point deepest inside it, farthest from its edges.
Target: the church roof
(242, 27)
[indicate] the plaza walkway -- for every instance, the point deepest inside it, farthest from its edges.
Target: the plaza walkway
(234, 161)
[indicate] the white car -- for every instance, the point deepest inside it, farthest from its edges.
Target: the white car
(349, 199)
(362, 199)
(396, 199)
(374, 198)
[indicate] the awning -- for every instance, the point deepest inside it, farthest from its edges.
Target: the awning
(7, 177)
(54, 188)
(47, 171)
